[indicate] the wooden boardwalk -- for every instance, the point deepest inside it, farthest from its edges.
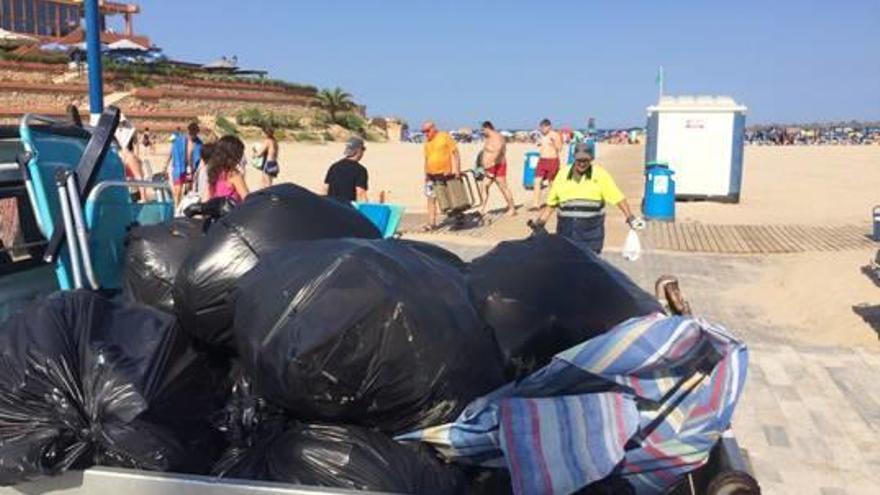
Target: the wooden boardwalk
(754, 239)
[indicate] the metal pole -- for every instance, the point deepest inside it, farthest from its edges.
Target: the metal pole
(93, 56)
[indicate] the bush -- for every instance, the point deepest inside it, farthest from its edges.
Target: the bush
(306, 136)
(351, 121)
(226, 126)
(258, 118)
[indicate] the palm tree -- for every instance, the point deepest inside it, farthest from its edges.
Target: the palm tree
(334, 101)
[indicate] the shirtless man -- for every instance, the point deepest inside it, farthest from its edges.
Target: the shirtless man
(548, 164)
(269, 156)
(493, 159)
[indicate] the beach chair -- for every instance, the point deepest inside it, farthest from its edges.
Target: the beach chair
(386, 217)
(76, 185)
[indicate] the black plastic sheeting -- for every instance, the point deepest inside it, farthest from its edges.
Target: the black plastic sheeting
(545, 294)
(154, 255)
(370, 333)
(84, 381)
(235, 242)
(268, 446)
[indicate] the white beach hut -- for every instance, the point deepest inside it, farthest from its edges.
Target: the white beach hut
(701, 138)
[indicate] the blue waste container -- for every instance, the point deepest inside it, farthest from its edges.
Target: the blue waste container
(659, 202)
(529, 168)
(877, 223)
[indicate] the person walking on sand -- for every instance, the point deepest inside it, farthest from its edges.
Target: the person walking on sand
(442, 161)
(493, 159)
(268, 155)
(184, 159)
(550, 147)
(347, 179)
(578, 195)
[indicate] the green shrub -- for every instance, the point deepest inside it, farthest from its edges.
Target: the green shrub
(306, 136)
(226, 126)
(258, 118)
(351, 121)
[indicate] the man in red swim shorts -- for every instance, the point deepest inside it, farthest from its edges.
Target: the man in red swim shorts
(493, 159)
(550, 147)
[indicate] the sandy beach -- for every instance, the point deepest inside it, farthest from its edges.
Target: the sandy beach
(814, 292)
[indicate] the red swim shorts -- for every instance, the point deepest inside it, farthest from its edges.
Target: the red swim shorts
(547, 168)
(499, 170)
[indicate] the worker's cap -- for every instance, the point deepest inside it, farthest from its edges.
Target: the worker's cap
(582, 152)
(353, 145)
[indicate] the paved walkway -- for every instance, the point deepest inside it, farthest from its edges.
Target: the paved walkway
(809, 418)
(754, 239)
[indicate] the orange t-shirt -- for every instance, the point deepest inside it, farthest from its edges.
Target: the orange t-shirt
(438, 154)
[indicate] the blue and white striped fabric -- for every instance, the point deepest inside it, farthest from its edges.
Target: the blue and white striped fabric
(645, 401)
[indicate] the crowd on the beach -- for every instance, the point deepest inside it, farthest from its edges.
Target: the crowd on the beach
(790, 136)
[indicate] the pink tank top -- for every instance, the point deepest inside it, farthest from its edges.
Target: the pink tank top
(224, 189)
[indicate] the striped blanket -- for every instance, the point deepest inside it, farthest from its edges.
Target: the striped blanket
(645, 401)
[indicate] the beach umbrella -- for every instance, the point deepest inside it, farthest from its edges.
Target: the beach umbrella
(54, 47)
(125, 44)
(82, 46)
(10, 39)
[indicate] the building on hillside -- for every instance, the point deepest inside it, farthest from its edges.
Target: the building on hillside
(52, 19)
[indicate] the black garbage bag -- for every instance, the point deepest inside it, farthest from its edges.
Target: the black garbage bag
(370, 333)
(436, 252)
(154, 255)
(266, 445)
(545, 294)
(348, 457)
(85, 380)
(237, 240)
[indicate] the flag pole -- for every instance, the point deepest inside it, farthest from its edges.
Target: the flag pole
(661, 82)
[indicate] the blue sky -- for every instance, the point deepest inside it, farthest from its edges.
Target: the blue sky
(515, 62)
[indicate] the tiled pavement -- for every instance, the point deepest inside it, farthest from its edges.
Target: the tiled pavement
(809, 418)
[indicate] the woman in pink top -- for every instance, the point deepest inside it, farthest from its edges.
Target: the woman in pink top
(225, 180)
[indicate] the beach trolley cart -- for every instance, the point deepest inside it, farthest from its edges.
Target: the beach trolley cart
(81, 201)
(530, 167)
(701, 138)
(386, 217)
(456, 195)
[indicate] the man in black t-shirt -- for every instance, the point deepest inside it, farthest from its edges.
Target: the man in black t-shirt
(346, 180)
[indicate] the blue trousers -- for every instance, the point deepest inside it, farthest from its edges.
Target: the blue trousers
(588, 232)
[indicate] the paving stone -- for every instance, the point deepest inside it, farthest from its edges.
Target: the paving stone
(776, 436)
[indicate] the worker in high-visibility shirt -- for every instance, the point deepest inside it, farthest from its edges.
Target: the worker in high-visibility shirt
(579, 195)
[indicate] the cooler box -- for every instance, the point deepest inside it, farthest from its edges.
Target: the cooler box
(386, 217)
(659, 203)
(529, 168)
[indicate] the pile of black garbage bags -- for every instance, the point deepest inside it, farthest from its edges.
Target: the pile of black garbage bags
(286, 341)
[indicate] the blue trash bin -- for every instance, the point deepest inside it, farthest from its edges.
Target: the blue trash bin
(529, 168)
(659, 202)
(877, 223)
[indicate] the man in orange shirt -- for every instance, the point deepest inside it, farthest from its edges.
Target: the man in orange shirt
(441, 162)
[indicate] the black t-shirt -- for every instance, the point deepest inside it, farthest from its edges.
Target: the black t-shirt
(342, 179)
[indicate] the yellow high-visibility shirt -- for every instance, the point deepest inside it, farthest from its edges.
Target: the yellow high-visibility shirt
(599, 187)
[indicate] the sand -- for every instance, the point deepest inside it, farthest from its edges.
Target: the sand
(811, 293)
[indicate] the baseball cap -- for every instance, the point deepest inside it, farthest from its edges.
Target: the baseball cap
(582, 152)
(353, 145)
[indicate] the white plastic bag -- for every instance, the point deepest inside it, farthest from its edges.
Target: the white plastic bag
(632, 247)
